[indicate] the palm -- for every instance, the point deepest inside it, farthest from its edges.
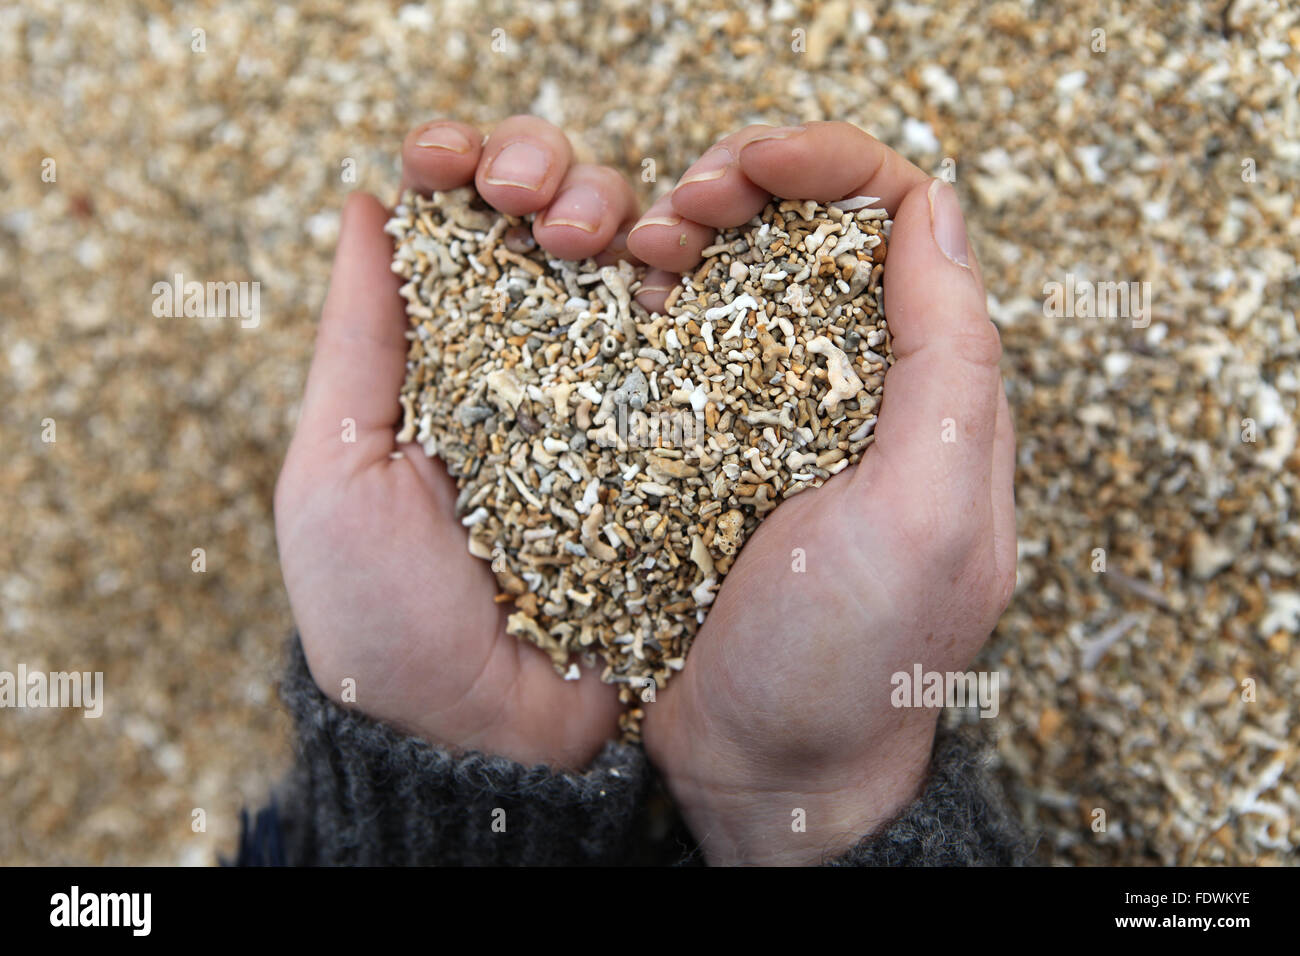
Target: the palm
(384, 590)
(805, 615)
(908, 559)
(386, 594)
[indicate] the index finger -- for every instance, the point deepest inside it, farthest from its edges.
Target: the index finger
(826, 162)
(360, 358)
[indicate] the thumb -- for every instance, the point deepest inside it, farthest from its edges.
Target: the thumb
(937, 422)
(360, 358)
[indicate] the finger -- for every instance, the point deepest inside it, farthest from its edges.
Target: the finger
(440, 155)
(360, 358)
(617, 249)
(654, 289)
(715, 191)
(937, 422)
(823, 161)
(828, 161)
(585, 214)
(522, 165)
(665, 240)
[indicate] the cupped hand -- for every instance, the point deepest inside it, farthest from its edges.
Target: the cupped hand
(396, 617)
(783, 713)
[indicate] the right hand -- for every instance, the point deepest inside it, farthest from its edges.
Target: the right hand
(785, 699)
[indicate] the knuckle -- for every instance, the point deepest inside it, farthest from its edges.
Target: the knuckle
(601, 176)
(529, 118)
(939, 532)
(843, 126)
(979, 342)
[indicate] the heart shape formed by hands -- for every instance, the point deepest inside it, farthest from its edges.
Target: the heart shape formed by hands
(611, 462)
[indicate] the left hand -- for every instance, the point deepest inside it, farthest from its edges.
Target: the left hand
(390, 604)
(784, 703)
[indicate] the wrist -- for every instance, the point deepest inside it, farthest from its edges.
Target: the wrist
(799, 816)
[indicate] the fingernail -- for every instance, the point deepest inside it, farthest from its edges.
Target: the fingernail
(946, 223)
(712, 165)
(519, 164)
(444, 137)
(657, 221)
(578, 206)
(780, 132)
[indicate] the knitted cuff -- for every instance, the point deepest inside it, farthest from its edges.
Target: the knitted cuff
(364, 793)
(960, 819)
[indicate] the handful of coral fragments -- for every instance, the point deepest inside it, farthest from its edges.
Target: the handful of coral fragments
(611, 462)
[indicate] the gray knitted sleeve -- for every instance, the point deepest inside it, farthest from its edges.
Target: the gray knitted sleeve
(960, 819)
(363, 793)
